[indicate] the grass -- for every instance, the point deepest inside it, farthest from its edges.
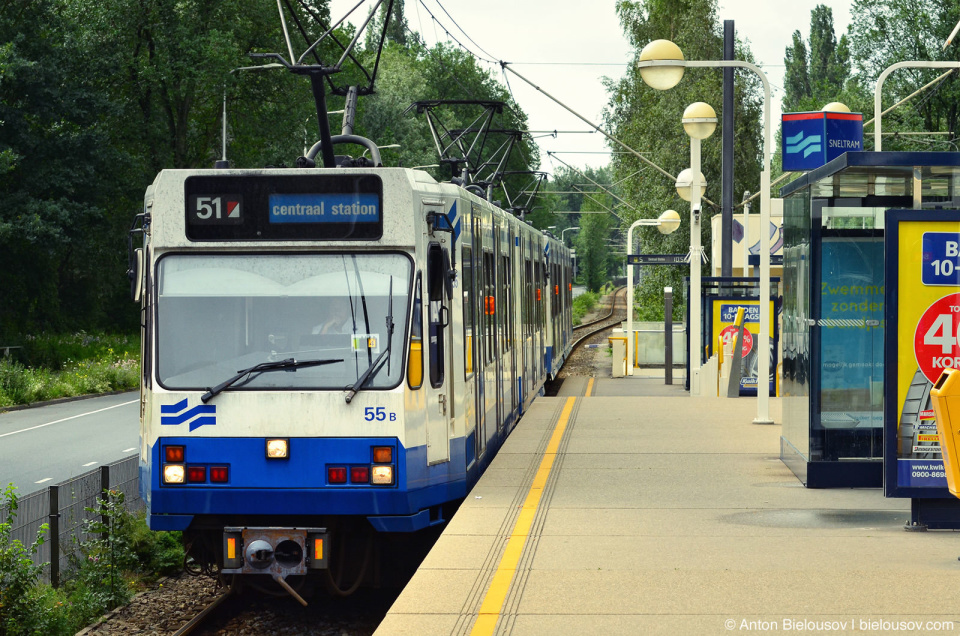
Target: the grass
(51, 367)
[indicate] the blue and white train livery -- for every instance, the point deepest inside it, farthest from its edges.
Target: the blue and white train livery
(331, 353)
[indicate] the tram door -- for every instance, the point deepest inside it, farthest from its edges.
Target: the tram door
(499, 320)
(491, 351)
(479, 330)
(439, 404)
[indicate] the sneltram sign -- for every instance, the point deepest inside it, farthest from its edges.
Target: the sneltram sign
(812, 139)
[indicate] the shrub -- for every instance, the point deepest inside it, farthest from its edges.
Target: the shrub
(96, 583)
(583, 305)
(104, 363)
(26, 605)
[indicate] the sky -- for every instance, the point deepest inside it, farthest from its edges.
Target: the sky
(566, 50)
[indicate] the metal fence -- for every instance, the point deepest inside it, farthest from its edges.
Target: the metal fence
(64, 506)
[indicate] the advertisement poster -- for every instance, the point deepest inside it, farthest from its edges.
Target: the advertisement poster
(851, 333)
(927, 339)
(723, 316)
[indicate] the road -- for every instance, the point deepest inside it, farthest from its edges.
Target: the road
(48, 444)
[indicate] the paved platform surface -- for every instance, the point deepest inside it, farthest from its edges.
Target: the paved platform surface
(623, 506)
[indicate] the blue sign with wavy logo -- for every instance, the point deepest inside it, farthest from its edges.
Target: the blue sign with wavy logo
(812, 139)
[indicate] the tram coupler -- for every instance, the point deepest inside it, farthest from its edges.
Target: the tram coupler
(275, 551)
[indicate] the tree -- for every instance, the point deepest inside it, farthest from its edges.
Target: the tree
(649, 121)
(55, 178)
(820, 78)
(885, 32)
(593, 251)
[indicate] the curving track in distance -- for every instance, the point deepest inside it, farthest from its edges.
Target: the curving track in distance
(587, 331)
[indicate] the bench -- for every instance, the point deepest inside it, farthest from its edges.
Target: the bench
(7, 349)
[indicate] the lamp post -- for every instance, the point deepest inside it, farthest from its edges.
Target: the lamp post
(565, 230)
(883, 76)
(667, 223)
(661, 66)
(699, 122)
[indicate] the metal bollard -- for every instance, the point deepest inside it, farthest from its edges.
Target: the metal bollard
(668, 335)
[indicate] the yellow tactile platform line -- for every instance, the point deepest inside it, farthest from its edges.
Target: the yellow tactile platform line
(500, 585)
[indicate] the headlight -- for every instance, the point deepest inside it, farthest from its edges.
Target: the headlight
(381, 475)
(173, 474)
(277, 449)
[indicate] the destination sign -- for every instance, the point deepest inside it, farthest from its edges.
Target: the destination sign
(324, 208)
(657, 259)
(284, 207)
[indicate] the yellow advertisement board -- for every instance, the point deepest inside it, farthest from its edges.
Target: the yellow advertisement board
(927, 296)
(723, 316)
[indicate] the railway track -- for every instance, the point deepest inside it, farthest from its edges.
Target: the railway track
(618, 312)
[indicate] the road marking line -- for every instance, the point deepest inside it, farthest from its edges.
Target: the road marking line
(72, 417)
(43, 480)
(90, 464)
(589, 387)
(497, 593)
(127, 450)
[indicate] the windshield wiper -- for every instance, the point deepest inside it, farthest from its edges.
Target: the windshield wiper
(377, 364)
(289, 364)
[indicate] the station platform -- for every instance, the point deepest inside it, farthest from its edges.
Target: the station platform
(624, 506)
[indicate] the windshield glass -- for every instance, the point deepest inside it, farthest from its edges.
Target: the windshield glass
(218, 314)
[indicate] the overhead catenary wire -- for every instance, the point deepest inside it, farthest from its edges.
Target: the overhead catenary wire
(506, 66)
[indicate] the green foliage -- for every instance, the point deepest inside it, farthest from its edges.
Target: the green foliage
(97, 583)
(156, 553)
(68, 366)
(26, 605)
(814, 80)
(650, 122)
(883, 33)
(583, 305)
(103, 574)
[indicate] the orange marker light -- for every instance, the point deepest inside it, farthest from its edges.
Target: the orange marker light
(318, 549)
(538, 294)
(231, 548)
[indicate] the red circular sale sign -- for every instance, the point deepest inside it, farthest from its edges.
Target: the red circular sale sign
(935, 341)
(730, 333)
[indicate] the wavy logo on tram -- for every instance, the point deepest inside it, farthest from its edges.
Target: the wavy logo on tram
(176, 414)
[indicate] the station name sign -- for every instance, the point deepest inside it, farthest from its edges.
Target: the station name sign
(812, 139)
(657, 259)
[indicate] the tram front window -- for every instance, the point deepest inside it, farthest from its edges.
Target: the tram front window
(219, 314)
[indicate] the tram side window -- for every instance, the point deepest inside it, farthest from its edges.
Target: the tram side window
(415, 379)
(439, 314)
(468, 299)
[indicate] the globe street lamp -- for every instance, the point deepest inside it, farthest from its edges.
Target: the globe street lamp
(667, 223)
(699, 122)
(661, 65)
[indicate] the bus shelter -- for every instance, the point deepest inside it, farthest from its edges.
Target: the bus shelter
(837, 310)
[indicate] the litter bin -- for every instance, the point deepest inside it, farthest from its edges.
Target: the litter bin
(619, 346)
(945, 396)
